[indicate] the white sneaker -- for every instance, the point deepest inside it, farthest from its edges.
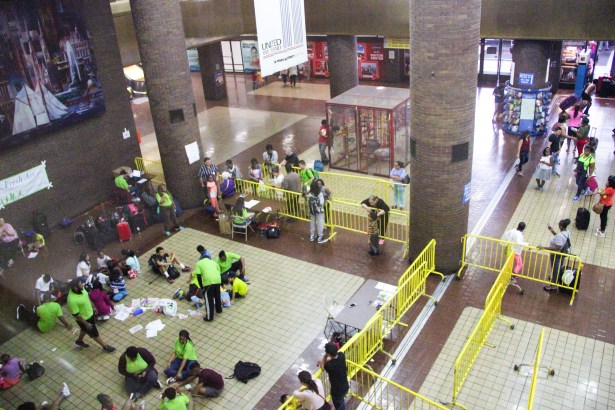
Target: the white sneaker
(142, 405)
(170, 380)
(65, 391)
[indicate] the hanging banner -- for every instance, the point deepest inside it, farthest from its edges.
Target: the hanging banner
(282, 41)
(19, 186)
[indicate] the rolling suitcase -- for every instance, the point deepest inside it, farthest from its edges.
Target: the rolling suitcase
(138, 222)
(582, 220)
(123, 231)
(568, 102)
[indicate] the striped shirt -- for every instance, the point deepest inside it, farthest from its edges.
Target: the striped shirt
(206, 171)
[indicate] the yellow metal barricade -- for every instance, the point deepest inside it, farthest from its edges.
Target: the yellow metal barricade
(539, 265)
(480, 333)
(151, 167)
(427, 255)
(361, 347)
(536, 368)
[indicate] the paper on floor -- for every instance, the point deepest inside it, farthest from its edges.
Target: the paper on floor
(135, 329)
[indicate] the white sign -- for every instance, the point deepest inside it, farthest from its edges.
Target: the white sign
(192, 152)
(19, 186)
(126, 133)
(280, 26)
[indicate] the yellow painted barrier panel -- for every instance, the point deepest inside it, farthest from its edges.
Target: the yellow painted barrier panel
(151, 167)
(361, 347)
(539, 265)
(536, 368)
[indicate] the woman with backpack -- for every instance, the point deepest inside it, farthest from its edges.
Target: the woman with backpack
(316, 203)
(311, 392)
(560, 242)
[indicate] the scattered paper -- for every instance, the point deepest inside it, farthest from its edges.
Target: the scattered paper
(32, 255)
(120, 306)
(192, 151)
(249, 204)
(155, 325)
(135, 329)
(151, 333)
(142, 181)
(181, 316)
(386, 287)
(135, 173)
(136, 303)
(122, 315)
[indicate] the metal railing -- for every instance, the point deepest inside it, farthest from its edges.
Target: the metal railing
(427, 255)
(536, 366)
(480, 333)
(151, 167)
(539, 265)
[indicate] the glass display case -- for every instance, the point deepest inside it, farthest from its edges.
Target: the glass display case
(370, 129)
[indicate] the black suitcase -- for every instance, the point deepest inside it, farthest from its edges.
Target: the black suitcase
(95, 239)
(582, 220)
(138, 222)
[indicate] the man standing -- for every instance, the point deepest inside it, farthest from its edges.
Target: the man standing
(290, 156)
(292, 183)
(334, 363)
(80, 306)
(554, 144)
(383, 211)
(209, 272)
(206, 170)
(323, 140)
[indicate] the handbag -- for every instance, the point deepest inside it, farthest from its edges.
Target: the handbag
(326, 405)
(598, 208)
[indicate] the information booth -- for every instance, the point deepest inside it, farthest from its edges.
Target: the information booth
(370, 127)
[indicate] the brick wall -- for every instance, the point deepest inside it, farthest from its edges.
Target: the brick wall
(80, 158)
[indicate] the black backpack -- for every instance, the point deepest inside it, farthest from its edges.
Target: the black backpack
(34, 370)
(40, 225)
(245, 371)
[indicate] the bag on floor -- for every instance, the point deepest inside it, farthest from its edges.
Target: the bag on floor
(34, 370)
(168, 306)
(567, 278)
(273, 232)
(225, 299)
(245, 371)
(179, 211)
(582, 220)
(173, 272)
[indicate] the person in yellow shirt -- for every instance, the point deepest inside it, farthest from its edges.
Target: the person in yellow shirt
(167, 209)
(174, 400)
(238, 288)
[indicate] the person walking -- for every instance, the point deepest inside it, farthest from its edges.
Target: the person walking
(588, 94)
(560, 242)
(498, 96)
(167, 209)
(80, 306)
(398, 176)
(323, 140)
(316, 203)
(544, 168)
(574, 123)
(586, 163)
(292, 72)
(555, 145)
(517, 242)
(334, 363)
(523, 151)
(137, 365)
(606, 200)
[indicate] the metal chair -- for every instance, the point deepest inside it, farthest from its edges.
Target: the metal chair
(239, 225)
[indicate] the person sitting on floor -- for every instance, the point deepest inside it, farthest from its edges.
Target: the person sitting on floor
(101, 301)
(165, 262)
(45, 317)
(108, 404)
(182, 357)
(117, 284)
(102, 259)
(136, 364)
(35, 241)
(54, 405)
(132, 262)
(11, 371)
(236, 287)
(232, 262)
(44, 285)
(209, 382)
(174, 400)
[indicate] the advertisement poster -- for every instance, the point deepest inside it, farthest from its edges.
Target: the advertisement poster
(48, 73)
(249, 53)
(193, 60)
(526, 116)
(370, 55)
(282, 41)
(369, 70)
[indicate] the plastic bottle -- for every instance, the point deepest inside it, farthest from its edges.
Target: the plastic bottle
(137, 312)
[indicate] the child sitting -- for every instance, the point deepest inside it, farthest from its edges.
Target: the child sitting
(236, 287)
(373, 232)
(102, 259)
(36, 241)
(100, 300)
(117, 284)
(10, 371)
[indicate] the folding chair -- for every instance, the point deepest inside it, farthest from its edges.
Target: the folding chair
(239, 225)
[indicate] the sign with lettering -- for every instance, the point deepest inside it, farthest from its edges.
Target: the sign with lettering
(19, 186)
(526, 79)
(465, 198)
(282, 41)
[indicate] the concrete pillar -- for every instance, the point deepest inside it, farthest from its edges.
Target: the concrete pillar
(443, 73)
(555, 65)
(343, 64)
(160, 35)
(531, 57)
(212, 71)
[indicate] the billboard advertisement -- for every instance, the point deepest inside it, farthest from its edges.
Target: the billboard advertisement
(249, 53)
(48, 73)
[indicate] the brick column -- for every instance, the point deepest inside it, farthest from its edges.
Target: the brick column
(343, 64)
(160, 34)
(444, 35)
(531, 56)
(212, 71)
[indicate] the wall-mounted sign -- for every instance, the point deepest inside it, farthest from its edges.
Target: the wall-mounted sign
(282, 41)
(466, 193)
(526, 79)
(19, 186)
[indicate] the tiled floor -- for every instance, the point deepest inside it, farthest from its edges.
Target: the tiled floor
(281, 315)
(583, 369)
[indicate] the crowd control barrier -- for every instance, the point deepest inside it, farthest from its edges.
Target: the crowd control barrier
(538, 264)
(427, 255)
(480, 333)
(151, 167)
(361, 347)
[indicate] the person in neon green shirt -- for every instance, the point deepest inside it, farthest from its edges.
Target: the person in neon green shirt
(232, 262)
(46, 314)
(120, 181)
(81, 308)
(140, 375)
(172, 399)
(183, 355)
(211, 278)
(239, 288)
(167, 209)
